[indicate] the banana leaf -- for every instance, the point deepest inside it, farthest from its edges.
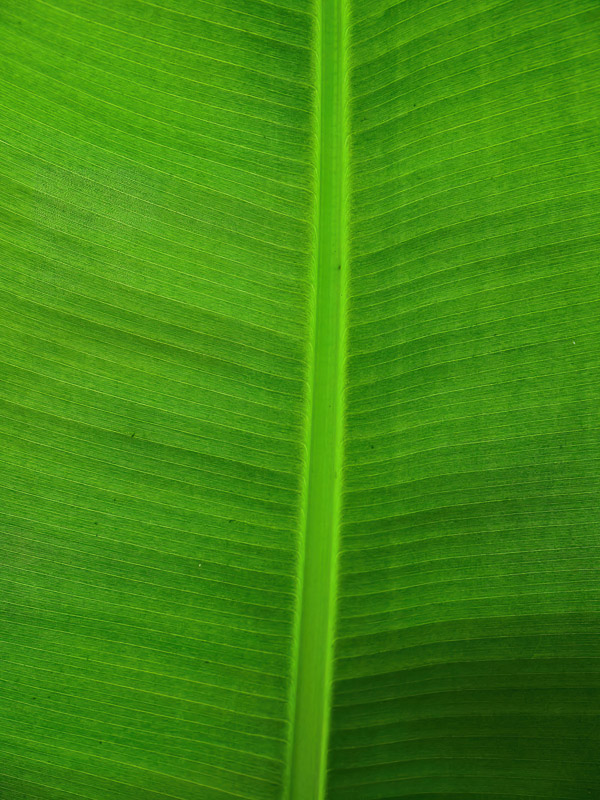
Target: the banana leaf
(299, 393)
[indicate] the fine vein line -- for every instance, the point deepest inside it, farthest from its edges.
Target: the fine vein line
(311, 694)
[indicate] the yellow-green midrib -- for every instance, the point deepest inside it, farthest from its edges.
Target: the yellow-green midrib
(309, 755)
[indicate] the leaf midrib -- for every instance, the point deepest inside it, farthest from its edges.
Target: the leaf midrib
(311, 693)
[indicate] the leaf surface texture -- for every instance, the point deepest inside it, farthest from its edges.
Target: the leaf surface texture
(282, 275)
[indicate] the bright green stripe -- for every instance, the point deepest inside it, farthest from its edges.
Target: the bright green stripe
(311, 729)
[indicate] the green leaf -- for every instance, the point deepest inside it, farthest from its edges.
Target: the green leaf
(299, 389)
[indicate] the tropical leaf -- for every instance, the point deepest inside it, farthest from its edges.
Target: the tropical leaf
(299, 399)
